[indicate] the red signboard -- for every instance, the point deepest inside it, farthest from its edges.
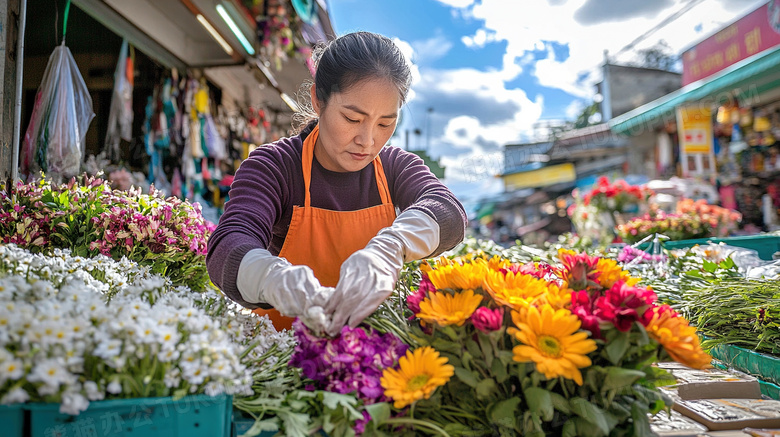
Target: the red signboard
(751, 34)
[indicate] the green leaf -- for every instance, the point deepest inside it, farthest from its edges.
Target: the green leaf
(466, 376)
(260, 426)
(485, 388)
(498, 369)
(487, 349)
(641, 422)
(474, 349)
(506, 357)
(503, 413)
(560, 403)
(709, 266)
(618, 377)
(335, 400)
(617, 347)
(466, 359)
(379, 412)
(589, 412)
(539, 401)
(586, 428)
(569, 429)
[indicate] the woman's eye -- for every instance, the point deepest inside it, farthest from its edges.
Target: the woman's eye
(384, 125)
(350, 120)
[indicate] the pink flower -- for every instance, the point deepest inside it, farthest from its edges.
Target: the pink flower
(414, 299)
(487, 320)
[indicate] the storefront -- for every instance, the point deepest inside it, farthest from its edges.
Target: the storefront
(722, 126)
(183, 90)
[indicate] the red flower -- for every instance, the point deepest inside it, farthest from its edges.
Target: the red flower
(487, 320)
(414, 299)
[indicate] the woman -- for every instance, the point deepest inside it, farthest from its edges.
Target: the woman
(318, 210)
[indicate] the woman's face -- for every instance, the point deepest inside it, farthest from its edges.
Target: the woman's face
(356, 124)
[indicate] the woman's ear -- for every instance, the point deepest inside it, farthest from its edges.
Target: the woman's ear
(315, 103)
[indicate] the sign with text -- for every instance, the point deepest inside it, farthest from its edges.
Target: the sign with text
(751, 34)
(694, 128)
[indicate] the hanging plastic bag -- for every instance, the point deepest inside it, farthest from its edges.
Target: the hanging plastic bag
(54, 140)
(120, 116)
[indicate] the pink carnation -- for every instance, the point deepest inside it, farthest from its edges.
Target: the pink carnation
(487, 320)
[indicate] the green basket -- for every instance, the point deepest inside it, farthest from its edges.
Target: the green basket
(12, 420)
(765, 245)
(762, 366)
(191, 416)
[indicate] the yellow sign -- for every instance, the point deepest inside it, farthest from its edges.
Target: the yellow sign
(542, 177)
(694, 127)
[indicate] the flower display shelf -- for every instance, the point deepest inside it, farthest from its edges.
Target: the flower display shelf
(12, 420)
(762, 366)
(241, 424)
(765, 245)
(190, 416)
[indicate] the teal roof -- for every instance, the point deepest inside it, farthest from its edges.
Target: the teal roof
(743, 80)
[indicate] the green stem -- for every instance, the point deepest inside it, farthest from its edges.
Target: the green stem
(420, 423)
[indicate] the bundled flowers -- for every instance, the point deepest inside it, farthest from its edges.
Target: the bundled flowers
(722, 221)
(77, 330)
(90, 218)
(674, 226)
(616, 196)
(535, 348)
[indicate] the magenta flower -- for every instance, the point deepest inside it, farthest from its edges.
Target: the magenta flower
(487, 320)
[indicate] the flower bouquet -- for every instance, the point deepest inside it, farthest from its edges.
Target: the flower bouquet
(722, 221)
(90, 218)
(79, 330)
(596, 213)
(674, 226)
(535, 349)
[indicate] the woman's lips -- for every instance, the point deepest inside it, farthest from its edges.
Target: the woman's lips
(358, 156)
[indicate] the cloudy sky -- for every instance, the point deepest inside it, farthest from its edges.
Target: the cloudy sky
(493, 72)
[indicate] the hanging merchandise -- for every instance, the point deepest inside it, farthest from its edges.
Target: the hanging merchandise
(120, 118)
(54, 140)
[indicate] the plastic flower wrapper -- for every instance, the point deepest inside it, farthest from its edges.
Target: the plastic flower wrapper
(535, 348)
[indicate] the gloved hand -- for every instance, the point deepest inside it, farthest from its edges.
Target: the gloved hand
(369, 275)
(292, 290)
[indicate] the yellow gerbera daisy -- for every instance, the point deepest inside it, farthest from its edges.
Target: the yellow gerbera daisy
(498, 263)
(551, 340)
(610, 273)
(459, 276)
(557, 297)
(420, 372)
(513, 290)
(449, 309)
(678, 339)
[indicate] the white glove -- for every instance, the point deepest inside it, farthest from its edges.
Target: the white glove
(369, 275)
(292, 290)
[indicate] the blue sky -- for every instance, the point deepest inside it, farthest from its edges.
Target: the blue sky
(495, 71)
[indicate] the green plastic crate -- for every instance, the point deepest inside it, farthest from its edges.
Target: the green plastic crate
(765, 245)
(762, 366)
(191, 416)
(12, 420)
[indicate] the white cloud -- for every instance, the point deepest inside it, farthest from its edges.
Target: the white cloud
(480, 39)
(531, 29)
(429, 50)
(574, 109)
(457, 3)
(408, 52)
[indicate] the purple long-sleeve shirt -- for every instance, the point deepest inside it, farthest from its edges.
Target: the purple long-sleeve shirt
(270, 182)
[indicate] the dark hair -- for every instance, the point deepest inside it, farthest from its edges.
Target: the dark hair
(350, 59)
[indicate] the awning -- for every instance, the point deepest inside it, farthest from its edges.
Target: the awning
(743, 80)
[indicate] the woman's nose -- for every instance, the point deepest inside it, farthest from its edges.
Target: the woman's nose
(365, 136)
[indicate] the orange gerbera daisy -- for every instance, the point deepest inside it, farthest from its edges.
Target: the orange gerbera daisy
(552, 339)
(610, 273)
(515, 290)
(557, 297)
(678, 339)
(420, 372)
(449, 309)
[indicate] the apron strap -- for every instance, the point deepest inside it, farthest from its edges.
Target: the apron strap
(308, 157)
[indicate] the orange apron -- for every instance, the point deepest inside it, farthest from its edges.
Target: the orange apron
(321, 238)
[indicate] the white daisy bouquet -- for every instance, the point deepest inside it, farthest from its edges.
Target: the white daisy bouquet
(75, 330)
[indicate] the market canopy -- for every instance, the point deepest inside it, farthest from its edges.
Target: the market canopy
(744, 81)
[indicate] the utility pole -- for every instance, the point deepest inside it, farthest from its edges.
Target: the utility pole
(428, 128)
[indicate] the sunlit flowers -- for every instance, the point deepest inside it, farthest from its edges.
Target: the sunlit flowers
(449, 309)
(578, 269)
(457, 276)
(677, 337)
(420, 372)
(514, 290)
(551, 339)
(610, 272)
